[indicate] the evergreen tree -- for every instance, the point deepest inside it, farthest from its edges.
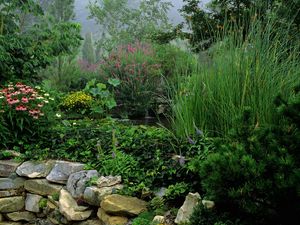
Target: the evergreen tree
(88, 52)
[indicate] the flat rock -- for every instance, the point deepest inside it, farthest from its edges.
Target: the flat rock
(90, 222)
(10, 223)
(108, 181)
(70, 209)
(123, 205)
(111, 220)
(41, 187)
(11, 183)
(34, 169)
(21, 216)
(94, 195)
(32, 203)
(159, 220)
(77, 182)
(186, 210)
(10, 193)
(12, 204)
(7, 167)
(62, 170)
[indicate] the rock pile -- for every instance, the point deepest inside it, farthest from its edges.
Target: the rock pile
(59, 192)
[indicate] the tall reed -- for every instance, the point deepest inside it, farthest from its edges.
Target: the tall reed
(244, 71)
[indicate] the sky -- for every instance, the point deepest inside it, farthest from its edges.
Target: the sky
(89, 25)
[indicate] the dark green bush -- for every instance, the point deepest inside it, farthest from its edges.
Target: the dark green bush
(255, 176)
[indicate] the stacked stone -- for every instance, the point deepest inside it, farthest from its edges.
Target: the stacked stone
(56, 192)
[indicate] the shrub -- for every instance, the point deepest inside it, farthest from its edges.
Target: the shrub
(256, 173)
(25, 113)
(77, 102)
(136, 66)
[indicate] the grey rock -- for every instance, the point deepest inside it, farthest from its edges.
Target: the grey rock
(94, 195)
(186, 210)
(9, 183)
(12, 204)
(77, 182)
(62, 170)
(108, 181)
(32, 203)
(7, 167)
(33, 169)
(41, 187)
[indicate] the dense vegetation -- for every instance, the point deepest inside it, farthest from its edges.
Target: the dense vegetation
(228, 90)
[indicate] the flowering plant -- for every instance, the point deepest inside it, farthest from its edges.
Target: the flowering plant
(137, 68)
(22, 108)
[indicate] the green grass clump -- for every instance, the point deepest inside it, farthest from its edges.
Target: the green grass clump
(244, 71)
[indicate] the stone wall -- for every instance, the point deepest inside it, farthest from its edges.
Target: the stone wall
(60, 192)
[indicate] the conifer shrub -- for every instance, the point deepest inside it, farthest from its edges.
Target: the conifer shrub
(255, 176)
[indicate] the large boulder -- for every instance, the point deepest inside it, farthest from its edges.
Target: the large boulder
(34, 169)
(32, 203)
(108, 181)
(123, 205)
(21, 216)
(62, 170)
(111, 220)
(7, 167)
(186, 210)
(77, 182)
(41, 187)
(94, 195)
(70, 209)
(12, 204)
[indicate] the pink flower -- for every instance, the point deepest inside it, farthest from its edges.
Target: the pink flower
(24, 100)
(21, 108)
(40, 105)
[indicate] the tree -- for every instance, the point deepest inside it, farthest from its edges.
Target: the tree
(24, 52)
(88, 51)
(120, 22)
(208, 24)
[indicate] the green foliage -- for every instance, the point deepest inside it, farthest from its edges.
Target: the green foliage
(239, 174)
(104, 100)
(24, 53)
(144, 218)
(43, 203)
(55, 196)
(176, 191)
(88, 51)
(240, 74)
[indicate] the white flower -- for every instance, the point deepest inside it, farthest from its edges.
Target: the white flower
(37, 87)
(39, 97)
(46, 94)
(1, 96)
(52, 99)
(46, 101)
(74, 123)
(58, 115)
